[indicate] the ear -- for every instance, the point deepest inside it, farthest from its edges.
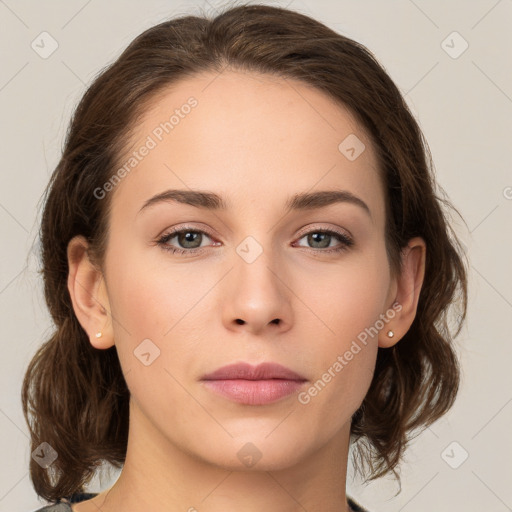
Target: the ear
(408, 286)
(88, 293)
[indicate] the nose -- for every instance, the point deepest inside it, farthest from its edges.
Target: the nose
(257, 297)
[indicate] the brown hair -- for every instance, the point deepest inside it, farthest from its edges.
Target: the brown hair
(76, 395)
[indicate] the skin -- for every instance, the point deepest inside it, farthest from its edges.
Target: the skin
(256, 140)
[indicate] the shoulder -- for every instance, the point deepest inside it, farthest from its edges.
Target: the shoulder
(65, 506)
(355, 506)
(58, 507)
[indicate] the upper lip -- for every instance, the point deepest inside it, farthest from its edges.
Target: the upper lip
(248, 372)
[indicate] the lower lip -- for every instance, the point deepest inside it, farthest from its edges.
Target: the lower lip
(254, 392)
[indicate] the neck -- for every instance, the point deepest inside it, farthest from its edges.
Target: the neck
(162, 477)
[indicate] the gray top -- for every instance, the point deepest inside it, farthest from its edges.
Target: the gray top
(59, 507)
(64, 506)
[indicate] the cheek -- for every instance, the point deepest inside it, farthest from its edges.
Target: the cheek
(343, 361)
(349, 302)
(347, 297)
(160, 303)
(150, 298)
(155, 312)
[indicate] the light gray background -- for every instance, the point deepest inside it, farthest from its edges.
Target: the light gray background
(464, 106)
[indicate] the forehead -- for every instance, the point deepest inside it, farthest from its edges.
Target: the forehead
(250, 137)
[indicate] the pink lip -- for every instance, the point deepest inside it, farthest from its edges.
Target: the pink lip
(254, 385)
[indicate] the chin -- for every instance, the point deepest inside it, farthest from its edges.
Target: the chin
(254, 453)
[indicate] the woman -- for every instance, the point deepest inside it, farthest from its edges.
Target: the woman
(249, 270)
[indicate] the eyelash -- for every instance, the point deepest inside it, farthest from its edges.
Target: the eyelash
(346, 241)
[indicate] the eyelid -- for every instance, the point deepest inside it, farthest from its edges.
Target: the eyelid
(318, 227)
(302, 232)
(172, 232)
(345, 239)
(201, 228)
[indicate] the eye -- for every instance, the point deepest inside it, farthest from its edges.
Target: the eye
(323, 239)
(189, 239)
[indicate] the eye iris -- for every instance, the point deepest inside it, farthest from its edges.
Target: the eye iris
(189, 236)
(324, 239)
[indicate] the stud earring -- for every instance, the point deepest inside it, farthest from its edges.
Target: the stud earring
(99, 334)
(390, 334)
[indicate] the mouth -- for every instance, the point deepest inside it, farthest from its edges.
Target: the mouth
(254, 392)
(254, 385)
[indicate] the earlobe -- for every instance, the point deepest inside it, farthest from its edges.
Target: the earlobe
(88, 294)
(408, 287)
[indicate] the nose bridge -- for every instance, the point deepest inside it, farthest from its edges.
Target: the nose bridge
(258, 296)
(257, 270)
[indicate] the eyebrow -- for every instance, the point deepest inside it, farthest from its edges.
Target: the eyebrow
(303, 201)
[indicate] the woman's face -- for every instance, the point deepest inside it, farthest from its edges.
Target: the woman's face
(254, 280)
